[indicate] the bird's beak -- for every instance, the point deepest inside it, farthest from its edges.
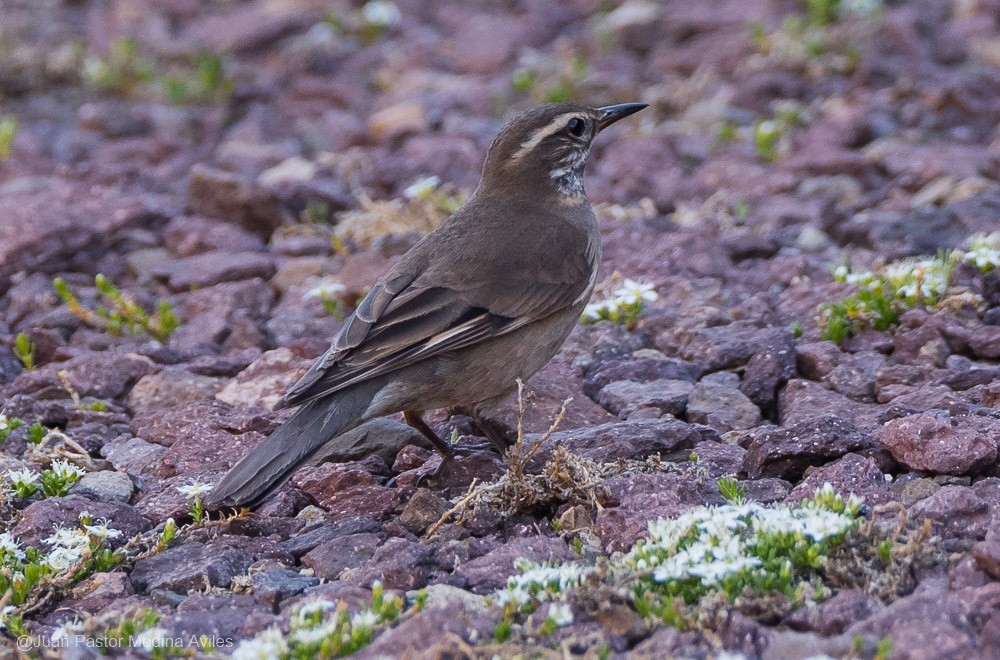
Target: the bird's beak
(611, 113)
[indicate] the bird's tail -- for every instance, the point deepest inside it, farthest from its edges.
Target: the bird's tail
(272, 462)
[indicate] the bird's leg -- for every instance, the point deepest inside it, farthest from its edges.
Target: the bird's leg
(413, 419)
(447, 451)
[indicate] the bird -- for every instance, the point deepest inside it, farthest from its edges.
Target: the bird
(483, 301)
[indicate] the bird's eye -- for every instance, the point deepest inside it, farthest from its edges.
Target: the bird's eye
(575, 127)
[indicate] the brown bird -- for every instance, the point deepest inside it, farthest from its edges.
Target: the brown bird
(484, 300)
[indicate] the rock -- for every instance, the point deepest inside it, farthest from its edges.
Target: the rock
(54, 225)
(396, 121)
(96, 375)
(638, 370)
(316, 535)
(850, 474)
(186, 236)
(768, 371)
(216, 267)
(189, 566)
(722, 407)
(635, 25)
(98, 591)
(545, 394)
(170, 388)
(38, 520)
(133, 455)
(608, 443)
(222, 617)
(277, 584)
(200, 434)
(730, 346)
(341, 553)
(804, 400)
(815, 360)
(985, 342)
(942, 444)
(347, 489)
(423, 510)
(232, 198)
(956, 512)
(929, 618)
(787, 451)
(490, 572)
(855, 375)
(265, 381)
(105, 486)
(720, 459)
(383, 437)
(987, 556)
(624, 397)
(433, 630)
(641, 498)
(399, 563)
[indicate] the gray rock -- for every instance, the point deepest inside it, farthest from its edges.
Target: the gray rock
(105, 486)
(722, 407)
(275, 585)
(624, 397)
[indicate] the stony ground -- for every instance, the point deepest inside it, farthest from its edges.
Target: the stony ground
(225, 191)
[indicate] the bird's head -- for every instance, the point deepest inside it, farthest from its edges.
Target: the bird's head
(548, 146)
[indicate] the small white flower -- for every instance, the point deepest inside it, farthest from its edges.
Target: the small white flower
(62, 558)
(66, 470)
(267, 645)
(9, 545)
(324, 288)
(561, 614)
(310, 635)
(22, 478)
(101, 530)
(63, 537)
(150, 639)
(4, 422)
(364, 620)
(632, 292)
(382, 13)
(68, 630)
(194, 488)
(422, 187)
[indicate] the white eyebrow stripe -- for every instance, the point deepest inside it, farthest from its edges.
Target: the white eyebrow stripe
(556, 124)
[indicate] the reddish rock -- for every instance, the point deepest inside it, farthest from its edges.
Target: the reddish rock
(189, 566)
(787, 451)
(210, 268)
(265, 381)
(330, 559)
(96, 375)
(942, 444)
(398, 564)
(956, 512)
(40, 518)
(347, 489)
(490, 572)
(230, 197)
(642, 498)
(850, 474)
(189, 235)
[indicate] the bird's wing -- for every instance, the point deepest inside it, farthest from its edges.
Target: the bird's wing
(403, 321)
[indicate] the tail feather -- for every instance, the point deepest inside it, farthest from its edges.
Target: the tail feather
(272, 462)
